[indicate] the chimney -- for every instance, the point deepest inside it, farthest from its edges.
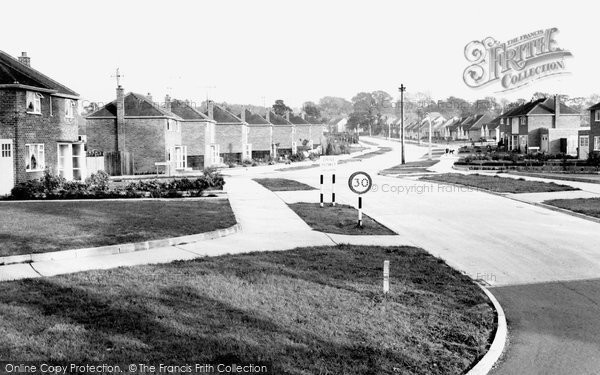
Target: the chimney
(268, 116)
(556, 107)
(287, 115)
(243, 114)
(23, 59)
(211, 110)
(168, 103)
(149, 96)
(120, 118)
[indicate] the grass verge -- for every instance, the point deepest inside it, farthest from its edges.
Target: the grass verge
(341, 219)
(39, 227)
(282, 184)
(498, 184)
(306, 311)
(586, 206)
(410, 167)
(577, 177)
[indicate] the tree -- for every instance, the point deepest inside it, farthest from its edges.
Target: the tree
(311, 110)
(280, 108)
(333, 106)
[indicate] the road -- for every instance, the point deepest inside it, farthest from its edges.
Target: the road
(543, 266)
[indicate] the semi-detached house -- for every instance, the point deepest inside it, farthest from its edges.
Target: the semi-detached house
(38, 126)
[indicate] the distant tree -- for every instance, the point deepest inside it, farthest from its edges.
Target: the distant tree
(311, 110)
(280, 108)
(514, 104)
(332, 106)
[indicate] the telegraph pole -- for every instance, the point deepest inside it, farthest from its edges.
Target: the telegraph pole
(402, 89)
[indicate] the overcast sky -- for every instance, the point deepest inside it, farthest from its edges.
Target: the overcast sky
(254, 51)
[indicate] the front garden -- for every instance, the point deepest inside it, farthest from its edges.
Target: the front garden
(586, 206)
(316, 310)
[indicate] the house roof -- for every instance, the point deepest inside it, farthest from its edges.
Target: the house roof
(186, 111)
(136, 105)
(223, 116)
(493, 124)
(547, 107)
(594, 107)
(13, 72)
(479, 120)
(275, 119)
(457, 123)
(297, 120)
(253, 118)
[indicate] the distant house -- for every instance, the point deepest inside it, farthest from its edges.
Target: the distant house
(38, 126)
(136, 136)
(283, 133)
(476, 126)
(231, 134)
(197, 134)
(589, 139)
(260, 134)
(317, 130)
(302, 130)
(492, 129)
(445, 131)
(545, 124)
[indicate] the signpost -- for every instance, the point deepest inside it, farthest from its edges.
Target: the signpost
(328, 165)
(360, 183)
(386, 276)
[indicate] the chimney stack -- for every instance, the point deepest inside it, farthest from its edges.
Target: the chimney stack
(268, 116)
(556, 107)
(287, 115)
(120, 118)
(243, 114)
(23, 59)
(149, 96)
(211, 110)
(168, 102)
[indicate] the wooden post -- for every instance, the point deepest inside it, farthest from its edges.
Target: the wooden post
(386, 277)
(333, 190)
(360, 223)
(321, 190)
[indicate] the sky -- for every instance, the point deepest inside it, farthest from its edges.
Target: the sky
(257, 51)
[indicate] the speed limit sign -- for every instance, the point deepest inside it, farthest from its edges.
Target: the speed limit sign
(360, 182)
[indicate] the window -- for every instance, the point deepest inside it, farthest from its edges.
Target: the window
(584, 141)
(173, 126)
(522, 120)
(596, 143)
(35, 158)
(34, 102)
(6, 150)
(180, 157)
(597, 115)
(168, 125)
(69, 105)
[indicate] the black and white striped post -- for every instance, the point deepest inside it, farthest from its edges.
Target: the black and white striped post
(360, 183)
(321, 194)
(333, 189)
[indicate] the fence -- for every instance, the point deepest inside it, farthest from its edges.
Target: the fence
(94, 164)
(118, 163)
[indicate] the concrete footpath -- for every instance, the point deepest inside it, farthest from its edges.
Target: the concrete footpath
(267, 224)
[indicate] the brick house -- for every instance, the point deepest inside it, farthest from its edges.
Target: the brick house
(591, 137)
(197, 134)
(283, 133)
(302, 130)
(476, 126)
(231, 134)
(135, 134)
(317, 131)
(260, 134)
(544, 124)
(38, 126)
(491, 129)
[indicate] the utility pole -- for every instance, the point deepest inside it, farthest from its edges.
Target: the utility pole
(429, 120)
(402, 89)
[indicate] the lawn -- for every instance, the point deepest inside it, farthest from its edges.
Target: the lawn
(282, 184)
(43, 226)
(586, 206)
(577, 177)
(341, 219)
(498, 184)
(411, 167)
(305, 311)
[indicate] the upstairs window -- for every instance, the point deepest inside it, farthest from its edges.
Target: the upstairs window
(596, 143)
(597, 116)
(522, 120)
(69, 108)
(35, 157)
(34, 102)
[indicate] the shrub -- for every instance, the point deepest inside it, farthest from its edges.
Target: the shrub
(299, 156)
(31, 189)
(52, 182)
(98, 181)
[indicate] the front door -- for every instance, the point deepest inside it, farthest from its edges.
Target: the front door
(545, 145)
(7, 177)
(584, 147)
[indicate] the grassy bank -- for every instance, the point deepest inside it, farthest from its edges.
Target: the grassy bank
(586, 206)
(306, 311)
(282, 184)
(39, 226)
(498, 184)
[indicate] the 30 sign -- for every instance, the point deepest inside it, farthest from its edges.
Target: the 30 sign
(360, 182)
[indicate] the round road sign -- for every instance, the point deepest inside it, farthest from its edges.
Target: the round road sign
(360, 182)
